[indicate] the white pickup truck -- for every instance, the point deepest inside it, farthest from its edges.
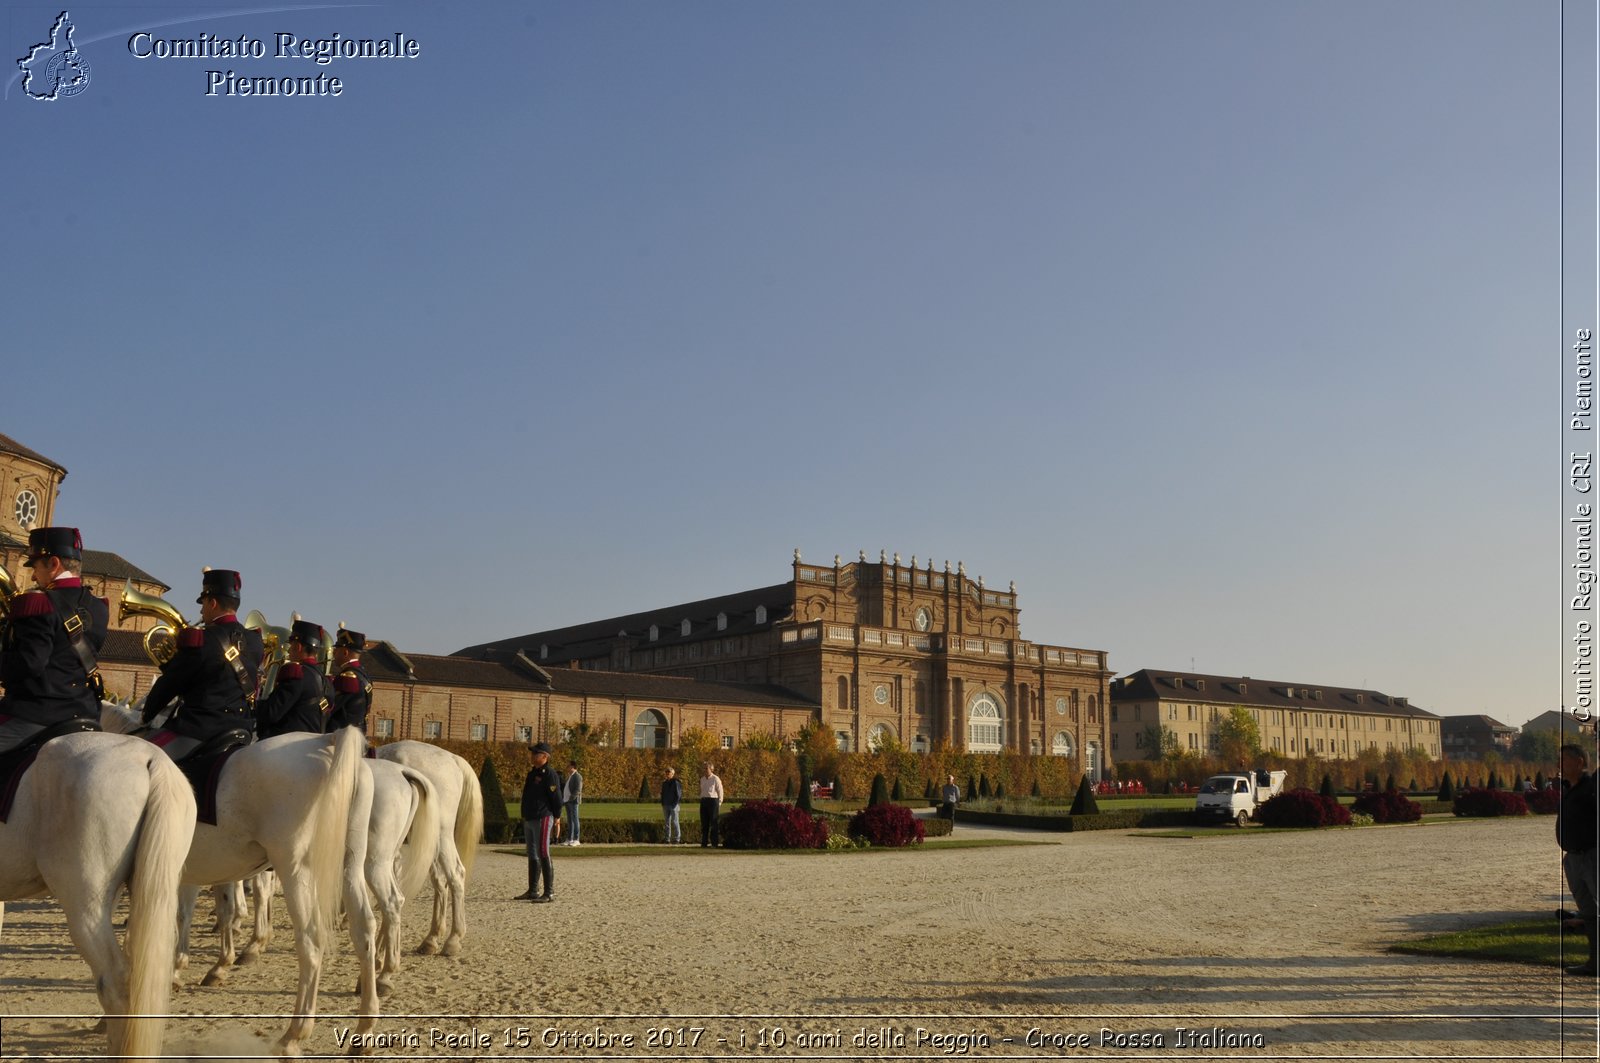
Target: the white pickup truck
(1236, 795)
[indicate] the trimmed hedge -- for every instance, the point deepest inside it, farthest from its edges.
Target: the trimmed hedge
(772, 825)
(1123, 819)
(1543, 802)
(886, 826)
(1487, 803)
(1391, 806)
(1302, 808)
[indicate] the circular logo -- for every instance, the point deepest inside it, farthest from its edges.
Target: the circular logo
(67, 73)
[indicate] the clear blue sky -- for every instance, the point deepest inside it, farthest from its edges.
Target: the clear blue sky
(1228, 331)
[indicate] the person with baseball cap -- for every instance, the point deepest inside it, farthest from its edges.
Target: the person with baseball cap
(214, 672)
(301, 698)
(541, 804)
(49, 644)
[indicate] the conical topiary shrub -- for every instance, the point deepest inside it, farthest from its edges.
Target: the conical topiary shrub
(1084, 803)
(803, 801)
(1389, 786)
(496, 820)
(1494, 781)
(644, 789)
(1447, 789)
(983, 785)
(1538, 780)
(1413, 787)
(1326, 789)
(972, 788)
(880, 791)
(895, 794)
(928, 792)
(999, 789)
(838, 789)
(788, 787)
(1036, 792)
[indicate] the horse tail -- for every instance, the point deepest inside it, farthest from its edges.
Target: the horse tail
(325, 855)
(469, 817)
(416, 855)
(152, 939)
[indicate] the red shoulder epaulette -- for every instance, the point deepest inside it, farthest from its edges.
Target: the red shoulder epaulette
(291, 671)
(191, 638)
(347, 683)
(33, 603)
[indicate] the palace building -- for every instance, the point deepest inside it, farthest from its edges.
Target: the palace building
(882, 651)
(1295, 719)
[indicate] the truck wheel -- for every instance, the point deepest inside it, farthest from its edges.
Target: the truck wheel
(1243, 818)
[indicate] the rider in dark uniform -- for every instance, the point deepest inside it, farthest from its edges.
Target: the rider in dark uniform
(214, 672)
(48, 647)
(352, 688)
(301, 698)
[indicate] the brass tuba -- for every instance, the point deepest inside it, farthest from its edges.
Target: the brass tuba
(274, 649)
(161, 641)
(8, 591)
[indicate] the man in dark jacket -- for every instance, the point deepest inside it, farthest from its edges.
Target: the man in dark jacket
(214, 671)
(1577, 821)
(300, 698)
(352, 689)
(49, 644)
(541, 804)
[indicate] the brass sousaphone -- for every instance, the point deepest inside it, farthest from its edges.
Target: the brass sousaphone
(161, 641)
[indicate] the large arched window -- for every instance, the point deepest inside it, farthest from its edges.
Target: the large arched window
(650, 730)
(1091, 766)
(877, 734)
(985, 727)
(1061, 744)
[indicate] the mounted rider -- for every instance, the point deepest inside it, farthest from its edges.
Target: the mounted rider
(301, 698)
(49, 644)
(352, 687)
(214, 672)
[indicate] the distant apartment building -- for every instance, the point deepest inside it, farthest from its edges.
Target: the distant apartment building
(1470, 737)
(1295, 719)
(1568, 728)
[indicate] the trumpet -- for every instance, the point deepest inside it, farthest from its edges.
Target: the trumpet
(161, 641)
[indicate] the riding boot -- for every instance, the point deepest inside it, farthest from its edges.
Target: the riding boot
(1590, 967)
(533, 882)
(549, 882)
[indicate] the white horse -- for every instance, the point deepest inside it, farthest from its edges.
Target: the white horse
(394, 860)
(285, 803)
(460, 830)
(96, 812)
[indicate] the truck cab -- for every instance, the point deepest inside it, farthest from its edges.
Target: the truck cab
(1236, 795)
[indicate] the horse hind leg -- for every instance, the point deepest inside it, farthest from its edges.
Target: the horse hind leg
(96, 940)
(458, 908)
(440, 880)
(228, 924)
(262, 887)
(188, 897)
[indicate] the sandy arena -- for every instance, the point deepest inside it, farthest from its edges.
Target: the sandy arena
(1104, 945)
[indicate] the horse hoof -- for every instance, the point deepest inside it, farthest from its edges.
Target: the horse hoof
(183, 961)
(428, 948)
(385, 987)
(248, 956)
(452, 947)
(216, 976)
(100, 1027)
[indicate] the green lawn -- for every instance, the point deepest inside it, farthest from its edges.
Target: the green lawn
(1533, 941)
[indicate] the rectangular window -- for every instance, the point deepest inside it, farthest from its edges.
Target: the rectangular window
(524, 733)
(478, 732)
(385, 729)
(1114, 740)
(1194, 740)
(727, 741)
(432, 729)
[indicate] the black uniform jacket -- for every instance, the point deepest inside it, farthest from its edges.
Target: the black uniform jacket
(214, 699)
(298, 702)
(541, 793)
(352, 696)
(43, 676)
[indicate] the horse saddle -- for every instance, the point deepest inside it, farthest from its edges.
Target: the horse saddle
(203, 769)
(15, 762)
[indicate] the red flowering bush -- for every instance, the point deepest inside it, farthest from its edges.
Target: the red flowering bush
(1390, 806)
(1543, 802)
(1490, 803)
(886, 825)
(1302, 808)
(772, 825)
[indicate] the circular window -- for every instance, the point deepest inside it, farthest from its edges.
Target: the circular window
(1061, 706)
(880, 694)
(923, 619)
(27, 508)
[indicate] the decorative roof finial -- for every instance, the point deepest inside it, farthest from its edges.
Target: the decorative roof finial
(797, 553)
(835, 560)
(862, 557)
(1013, 586)
(883, 556)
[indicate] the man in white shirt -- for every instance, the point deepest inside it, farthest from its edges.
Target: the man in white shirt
(710, 806)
